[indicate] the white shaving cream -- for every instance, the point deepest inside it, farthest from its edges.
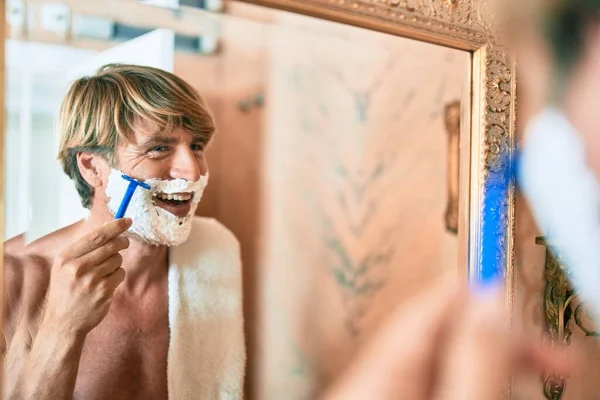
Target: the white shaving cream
(152, 223)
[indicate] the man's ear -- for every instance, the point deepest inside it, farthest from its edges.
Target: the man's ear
(90, 165)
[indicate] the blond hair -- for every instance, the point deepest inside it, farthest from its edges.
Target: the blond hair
(102, 110)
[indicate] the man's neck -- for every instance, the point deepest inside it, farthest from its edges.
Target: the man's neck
(144, 264)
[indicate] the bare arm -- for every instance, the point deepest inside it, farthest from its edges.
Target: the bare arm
(40, 361)
(42, 364)
(49, 369)
(25, 287)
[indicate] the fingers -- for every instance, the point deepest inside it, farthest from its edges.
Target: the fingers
(481, 353)
(114, 279)
(110, 249)
(97, 238)
(400, 358)
(108, 266)
(447, 345)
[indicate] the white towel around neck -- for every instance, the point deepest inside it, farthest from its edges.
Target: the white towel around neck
(207, 353)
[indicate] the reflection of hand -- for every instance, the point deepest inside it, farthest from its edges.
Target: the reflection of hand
(446, 344)
(84, 278)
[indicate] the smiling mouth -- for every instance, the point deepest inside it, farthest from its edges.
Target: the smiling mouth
(178, 204)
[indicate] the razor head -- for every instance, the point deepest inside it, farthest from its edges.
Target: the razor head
(135, 181)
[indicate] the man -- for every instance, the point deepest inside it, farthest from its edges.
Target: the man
(96, 309)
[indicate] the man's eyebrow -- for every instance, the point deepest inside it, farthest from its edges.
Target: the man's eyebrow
(154, 141)
(157, 140)
(200, 140)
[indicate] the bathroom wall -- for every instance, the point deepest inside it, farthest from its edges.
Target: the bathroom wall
(357, 171)
(336, 185)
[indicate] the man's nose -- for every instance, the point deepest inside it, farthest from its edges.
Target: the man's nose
(186, 165)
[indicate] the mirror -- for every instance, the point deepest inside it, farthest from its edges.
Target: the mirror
(342, 163)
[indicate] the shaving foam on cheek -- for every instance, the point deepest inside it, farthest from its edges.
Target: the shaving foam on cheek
(150, 222)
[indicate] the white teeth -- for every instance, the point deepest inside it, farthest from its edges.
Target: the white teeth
(170, 196)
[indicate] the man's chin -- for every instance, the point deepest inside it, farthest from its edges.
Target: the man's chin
(141, 239)
(156, 226)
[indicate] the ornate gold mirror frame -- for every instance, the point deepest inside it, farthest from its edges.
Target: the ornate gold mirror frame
(486, 217)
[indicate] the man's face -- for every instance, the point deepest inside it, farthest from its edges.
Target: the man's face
(168, 156)
(173, 164)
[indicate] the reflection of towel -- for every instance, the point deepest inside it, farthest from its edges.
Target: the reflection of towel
(206, 349)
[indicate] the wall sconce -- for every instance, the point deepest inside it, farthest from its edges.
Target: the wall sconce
(560, 305)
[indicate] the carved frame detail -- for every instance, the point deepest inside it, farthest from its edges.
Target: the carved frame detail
(561, 304)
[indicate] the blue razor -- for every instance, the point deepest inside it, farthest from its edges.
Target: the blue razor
(133, 184)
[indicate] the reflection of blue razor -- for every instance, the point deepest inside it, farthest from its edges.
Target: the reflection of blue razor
(133, 184)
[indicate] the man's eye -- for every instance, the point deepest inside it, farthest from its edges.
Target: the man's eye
(197, 147)
(159, 148)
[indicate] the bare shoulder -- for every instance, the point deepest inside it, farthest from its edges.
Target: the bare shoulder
(27, 268)
(26, 279)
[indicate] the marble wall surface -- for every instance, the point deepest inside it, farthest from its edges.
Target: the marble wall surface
(334, 181)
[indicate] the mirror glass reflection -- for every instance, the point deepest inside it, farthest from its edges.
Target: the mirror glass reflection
(335, 162)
